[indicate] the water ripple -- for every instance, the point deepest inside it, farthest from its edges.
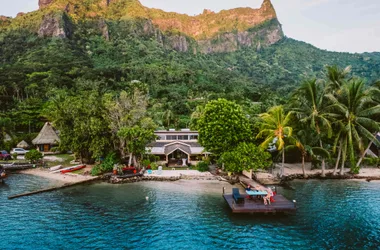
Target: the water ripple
(185, 215)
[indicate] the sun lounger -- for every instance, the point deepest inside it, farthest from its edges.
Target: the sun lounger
(239, 199)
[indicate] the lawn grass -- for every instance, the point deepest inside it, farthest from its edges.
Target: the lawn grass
(66, 159)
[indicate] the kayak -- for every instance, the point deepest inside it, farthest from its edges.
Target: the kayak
(71, 169)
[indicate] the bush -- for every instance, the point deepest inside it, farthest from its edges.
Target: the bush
(146, 163)
(202, 166)
(371, 162)
(14, 156)
(34, 155)
(105, 166)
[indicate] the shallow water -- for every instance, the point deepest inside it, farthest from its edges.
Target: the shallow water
(185, 215)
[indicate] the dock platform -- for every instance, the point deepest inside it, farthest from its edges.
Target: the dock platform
(281, 205)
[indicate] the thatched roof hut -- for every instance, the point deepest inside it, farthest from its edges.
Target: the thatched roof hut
(47, 136)
(23, 144)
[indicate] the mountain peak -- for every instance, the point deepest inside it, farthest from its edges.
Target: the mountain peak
(44, 3)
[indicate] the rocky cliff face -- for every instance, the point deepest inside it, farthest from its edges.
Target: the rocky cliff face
(55, 25)
(208, 32)
(44, 3)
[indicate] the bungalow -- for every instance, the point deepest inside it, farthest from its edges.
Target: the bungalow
(46, 139)
(176, 147)
(374, 151)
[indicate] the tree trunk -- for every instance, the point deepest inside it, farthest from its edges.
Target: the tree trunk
(342, 168)
(134, 162)
(323, 161)
(363, 155)
(283, 163)
(337, 160)
(122, 149)
(303, 166)
(130, 159)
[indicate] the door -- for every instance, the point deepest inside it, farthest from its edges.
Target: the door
(46, 147)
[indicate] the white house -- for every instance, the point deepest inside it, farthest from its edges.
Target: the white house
(177, 147)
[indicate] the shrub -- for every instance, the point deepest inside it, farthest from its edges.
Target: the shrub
(372, 162)
(202, 166)
(145, 163)
(154, 166)
(105, 166)
(33, 155)
(14, 156)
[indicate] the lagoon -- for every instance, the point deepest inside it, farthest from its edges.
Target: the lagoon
(186, 215)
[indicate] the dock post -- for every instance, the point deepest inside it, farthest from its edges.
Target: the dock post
(224, 190)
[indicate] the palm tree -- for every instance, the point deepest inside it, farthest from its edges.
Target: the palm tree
(337, 77)
(275, 126)
(309, 105)
(302, 142)
(355, 111)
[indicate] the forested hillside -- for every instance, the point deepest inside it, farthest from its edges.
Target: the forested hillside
(34, 66)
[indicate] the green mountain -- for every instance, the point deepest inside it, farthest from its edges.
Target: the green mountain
(240, 54)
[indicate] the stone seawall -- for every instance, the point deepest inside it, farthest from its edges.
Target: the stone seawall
(116, 180)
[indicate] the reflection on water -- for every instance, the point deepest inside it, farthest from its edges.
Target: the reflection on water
(185, 214)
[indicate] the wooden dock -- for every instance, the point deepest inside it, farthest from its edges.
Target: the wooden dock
(250, 206)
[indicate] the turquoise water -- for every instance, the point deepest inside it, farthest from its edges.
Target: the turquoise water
(185, 215)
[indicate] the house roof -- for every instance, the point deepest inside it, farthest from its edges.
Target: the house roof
(163, 144)
(23, 144)
(166, 148)
(47, 135)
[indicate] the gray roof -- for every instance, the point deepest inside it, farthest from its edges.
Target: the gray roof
(47, 135)
(163, 144)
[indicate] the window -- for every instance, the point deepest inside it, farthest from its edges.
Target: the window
(193, 137)
(171, 137)
(183, 137)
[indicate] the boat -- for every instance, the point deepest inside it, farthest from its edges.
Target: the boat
(71, 169)
(55, 168)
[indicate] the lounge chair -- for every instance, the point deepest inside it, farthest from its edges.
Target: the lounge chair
(239, 199)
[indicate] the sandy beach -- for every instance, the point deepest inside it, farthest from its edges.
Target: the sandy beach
(65, 178)
(291, 169)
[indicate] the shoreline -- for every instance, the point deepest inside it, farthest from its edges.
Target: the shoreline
(292, 172)
(67, 178)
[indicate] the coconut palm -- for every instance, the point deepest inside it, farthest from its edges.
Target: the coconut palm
(276, 127)
(337, 76)
(308, 103)
(303, 141)
(355, 111)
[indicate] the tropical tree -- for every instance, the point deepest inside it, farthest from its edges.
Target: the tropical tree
(6, 127)
(276, 127)
(308, 103)
(337, 77)
(355, 111)
(246, 156)
(80, 120)
(136, 138)
(126, 111)
(303, 142)
(222, 125)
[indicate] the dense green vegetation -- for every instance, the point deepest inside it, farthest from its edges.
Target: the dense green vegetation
(91, 87)
(32, 67)
(334, 118)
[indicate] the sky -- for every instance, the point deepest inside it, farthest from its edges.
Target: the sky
(335, 25)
